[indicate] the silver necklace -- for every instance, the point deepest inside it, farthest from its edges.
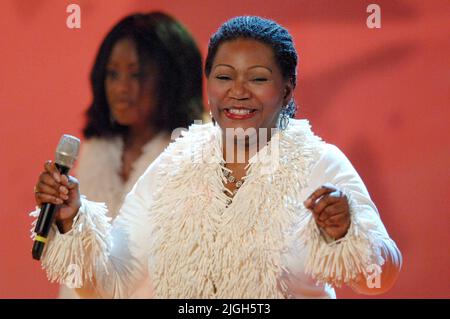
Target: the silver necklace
(233, 180)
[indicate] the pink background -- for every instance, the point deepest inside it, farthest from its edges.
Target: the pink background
(381, 95)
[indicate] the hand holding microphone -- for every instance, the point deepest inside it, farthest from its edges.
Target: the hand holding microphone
(57, 193)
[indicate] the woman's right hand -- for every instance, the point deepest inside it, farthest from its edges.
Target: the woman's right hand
(61, 190)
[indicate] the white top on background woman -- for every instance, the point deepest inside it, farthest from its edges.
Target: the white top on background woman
(134, 111)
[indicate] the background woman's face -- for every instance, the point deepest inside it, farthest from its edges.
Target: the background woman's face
(245, 87)
(129, 88)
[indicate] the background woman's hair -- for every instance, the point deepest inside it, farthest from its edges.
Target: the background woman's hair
(165, 43)
(265, 31)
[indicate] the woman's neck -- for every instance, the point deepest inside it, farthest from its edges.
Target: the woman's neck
(239, 150)
(132, 150)
(137, 137)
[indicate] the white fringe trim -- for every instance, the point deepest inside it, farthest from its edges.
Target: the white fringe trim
(342, 261)
(72, 258)
(200, 249)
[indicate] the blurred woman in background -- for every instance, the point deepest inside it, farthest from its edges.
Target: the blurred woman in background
(143, 89)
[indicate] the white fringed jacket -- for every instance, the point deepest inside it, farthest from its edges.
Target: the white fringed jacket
(176, 237)
(99, 172)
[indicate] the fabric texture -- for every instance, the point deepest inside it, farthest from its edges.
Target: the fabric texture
(98, 171)
(176, 236)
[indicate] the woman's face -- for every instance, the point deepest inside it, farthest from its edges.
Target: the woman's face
(245, 87)
(129, 88)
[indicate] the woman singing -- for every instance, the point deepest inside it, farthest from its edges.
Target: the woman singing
(253, 205)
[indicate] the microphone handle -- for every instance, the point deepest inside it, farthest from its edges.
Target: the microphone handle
(45, 221)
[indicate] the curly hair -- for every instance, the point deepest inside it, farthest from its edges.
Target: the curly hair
(265, 31)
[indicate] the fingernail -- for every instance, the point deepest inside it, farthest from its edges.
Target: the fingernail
(59, 201)
(56, 176)
(65, 197)
(63, 190)
(307, 202)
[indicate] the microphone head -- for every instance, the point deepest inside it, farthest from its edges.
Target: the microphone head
(67, 150)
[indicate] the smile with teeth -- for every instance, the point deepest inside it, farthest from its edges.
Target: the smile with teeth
(240, 111)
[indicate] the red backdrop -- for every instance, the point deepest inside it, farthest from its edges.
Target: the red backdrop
(381, 95)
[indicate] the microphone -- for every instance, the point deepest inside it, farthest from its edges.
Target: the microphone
(66, 154)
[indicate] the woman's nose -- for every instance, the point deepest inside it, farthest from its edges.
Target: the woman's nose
(239, 90)
(124, 84)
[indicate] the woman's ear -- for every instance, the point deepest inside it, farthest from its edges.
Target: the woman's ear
(288, 92)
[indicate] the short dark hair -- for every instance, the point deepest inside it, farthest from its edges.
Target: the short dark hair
(265, 31)
(164, 42)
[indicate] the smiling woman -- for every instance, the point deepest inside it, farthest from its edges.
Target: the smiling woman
(247, 85)
(291, 221)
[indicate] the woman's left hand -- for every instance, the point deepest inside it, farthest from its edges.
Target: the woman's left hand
(331, 211)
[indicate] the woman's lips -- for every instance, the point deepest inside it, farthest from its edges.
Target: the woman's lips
(122, 105)
(237, 113)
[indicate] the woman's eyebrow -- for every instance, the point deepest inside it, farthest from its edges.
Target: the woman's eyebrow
(226, 65)
(261, 66)
(113, 64)
(252, 67)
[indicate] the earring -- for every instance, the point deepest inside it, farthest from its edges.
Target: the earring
(283, 119)
(212, 118)
(112, 120)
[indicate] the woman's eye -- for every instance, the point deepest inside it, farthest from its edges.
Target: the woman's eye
(223, 77)
(112, 74)
(137, 75)
(259, 80)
